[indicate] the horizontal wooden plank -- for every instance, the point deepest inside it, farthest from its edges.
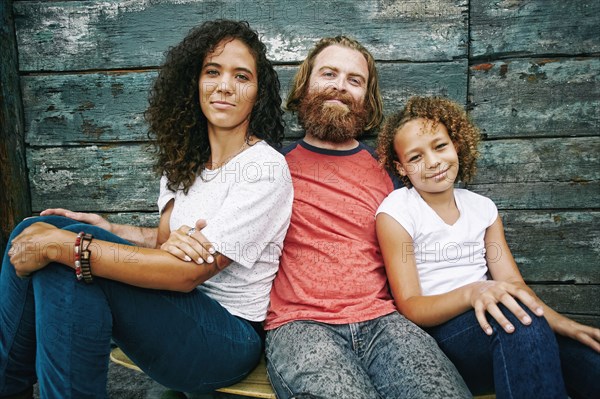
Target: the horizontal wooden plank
(83, 35)
(95, 178)
(536, 97)
(516, 174)
(573, 299)
(541, 195)
(540, 174)
(574, 160)
(105, 107)
(86, 108)
(532, 27)
(557, 246)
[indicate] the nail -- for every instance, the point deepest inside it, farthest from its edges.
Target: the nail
(210, 259)
(526, 319)
(187, 258)
(509, 327)
(211, 250)
(200, 261)
(539, 311)
(488, 331)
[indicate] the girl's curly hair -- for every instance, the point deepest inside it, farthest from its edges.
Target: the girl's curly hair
(464, 135)
(176, 122)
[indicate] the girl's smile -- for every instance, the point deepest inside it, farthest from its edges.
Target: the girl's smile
(427, 156)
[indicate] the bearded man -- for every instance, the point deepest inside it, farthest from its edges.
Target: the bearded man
(332, 329)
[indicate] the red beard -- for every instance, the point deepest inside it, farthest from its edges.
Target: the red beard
(329, 121)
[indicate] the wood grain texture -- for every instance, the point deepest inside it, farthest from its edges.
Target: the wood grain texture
(530, 79)
(81, 35)
(558, 246)
(536, 97)
(541, 195)
(93, 178)
(107, 107)
(574, 299)
(573, 160)
(516, 175)
(14, 192)
(511, 27)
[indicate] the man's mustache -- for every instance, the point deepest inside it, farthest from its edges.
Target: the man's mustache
(336, 95)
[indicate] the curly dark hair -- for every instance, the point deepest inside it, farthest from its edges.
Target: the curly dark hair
(176, 122)
(464, 135)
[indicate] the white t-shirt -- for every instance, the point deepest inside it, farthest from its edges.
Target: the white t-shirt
(447, 256)
(247, 204)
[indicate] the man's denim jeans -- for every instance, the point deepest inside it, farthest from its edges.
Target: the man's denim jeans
(388, 357)
(523, 364)
(58, 330)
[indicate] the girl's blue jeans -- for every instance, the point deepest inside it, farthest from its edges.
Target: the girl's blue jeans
(532, 362)
(57, 331)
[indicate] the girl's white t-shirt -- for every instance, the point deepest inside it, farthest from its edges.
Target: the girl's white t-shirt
(247, 205)
(447, 256)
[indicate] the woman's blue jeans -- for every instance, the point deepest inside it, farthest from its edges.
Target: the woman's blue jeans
(57, 330)
(524, 364)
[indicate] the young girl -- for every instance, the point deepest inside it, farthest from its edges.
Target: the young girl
(448, 265)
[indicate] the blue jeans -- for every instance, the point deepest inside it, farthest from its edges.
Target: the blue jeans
(388, 357)
(524, 364)
(57, 330)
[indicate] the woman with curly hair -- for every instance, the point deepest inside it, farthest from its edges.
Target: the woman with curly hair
(448, 264)
(185, 300)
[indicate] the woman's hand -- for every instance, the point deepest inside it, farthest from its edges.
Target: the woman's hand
(89, 218)
(187, 244)
(34, 248)
(484, 296)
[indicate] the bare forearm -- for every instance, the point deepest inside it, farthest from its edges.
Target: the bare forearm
(142, 267)
(141, 236)
(433, 310)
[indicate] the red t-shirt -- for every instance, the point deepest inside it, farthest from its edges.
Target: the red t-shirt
(331, 268)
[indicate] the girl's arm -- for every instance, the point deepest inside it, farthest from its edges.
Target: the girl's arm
(503, 268)
(431, 310)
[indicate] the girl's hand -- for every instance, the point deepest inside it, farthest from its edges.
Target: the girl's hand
(187, 244)
(89, 218)
(485, 295)
(34, 248)
(587, 335)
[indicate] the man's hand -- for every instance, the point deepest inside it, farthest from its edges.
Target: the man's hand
(89, 218)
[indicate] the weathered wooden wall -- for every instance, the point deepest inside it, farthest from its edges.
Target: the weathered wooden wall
(527, 70)
(14, 192)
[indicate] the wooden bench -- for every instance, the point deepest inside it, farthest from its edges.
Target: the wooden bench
(255, 385)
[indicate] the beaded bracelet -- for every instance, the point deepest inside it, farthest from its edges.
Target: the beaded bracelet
(82, 257)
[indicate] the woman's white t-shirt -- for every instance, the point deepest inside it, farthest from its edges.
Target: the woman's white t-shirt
(247, 205)
(447, 256)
